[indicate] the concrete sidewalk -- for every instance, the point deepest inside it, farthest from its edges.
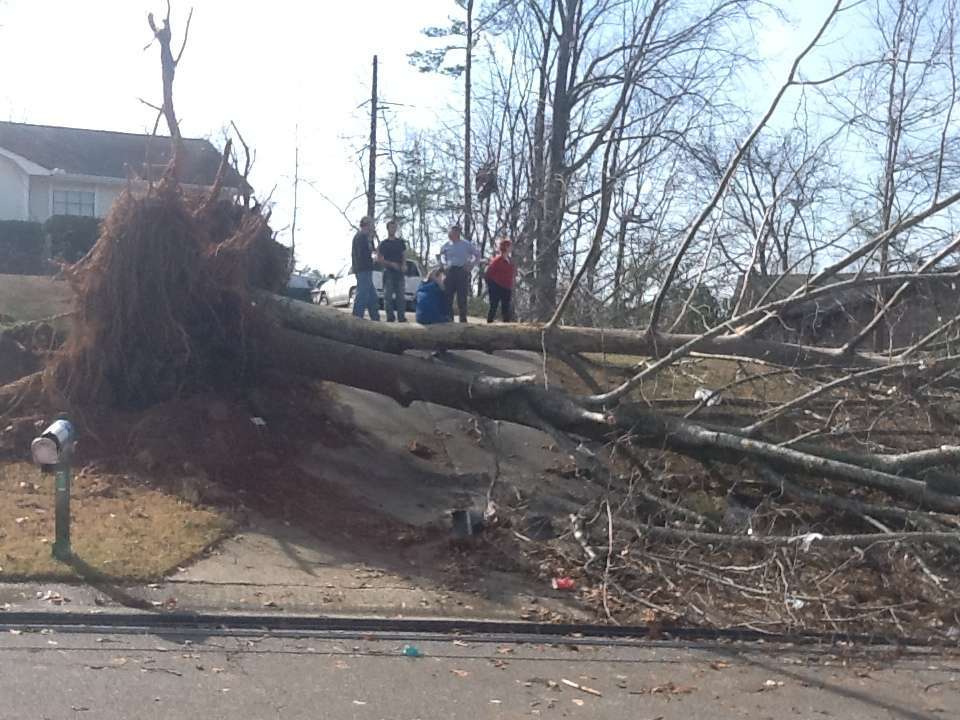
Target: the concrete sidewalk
(272, 567)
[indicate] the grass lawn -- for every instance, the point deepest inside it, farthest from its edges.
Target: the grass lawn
(122, 529)
(25, 298)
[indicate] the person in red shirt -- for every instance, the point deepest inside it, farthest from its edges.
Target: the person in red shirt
(499, 275)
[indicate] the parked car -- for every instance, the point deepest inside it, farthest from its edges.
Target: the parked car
(339, 289)
(300, 287)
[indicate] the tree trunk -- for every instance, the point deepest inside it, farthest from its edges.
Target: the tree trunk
(548, 239)
(321, 321)
(407, 379)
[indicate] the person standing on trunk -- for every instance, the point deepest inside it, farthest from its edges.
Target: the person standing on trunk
(500, 274)
(391, 255)
(365, 296)
(457, 258)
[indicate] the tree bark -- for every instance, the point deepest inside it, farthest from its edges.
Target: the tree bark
(548, 239)
(326, 322)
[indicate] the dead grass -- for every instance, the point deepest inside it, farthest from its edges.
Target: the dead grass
(26, 298)
(122, 528)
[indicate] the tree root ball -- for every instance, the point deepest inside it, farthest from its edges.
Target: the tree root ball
(162, 299)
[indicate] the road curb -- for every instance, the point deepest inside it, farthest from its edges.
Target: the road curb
(563, 632)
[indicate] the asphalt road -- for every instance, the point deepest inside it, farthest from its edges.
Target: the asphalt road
(56, 675)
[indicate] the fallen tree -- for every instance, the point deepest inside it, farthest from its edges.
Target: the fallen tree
(176, 296)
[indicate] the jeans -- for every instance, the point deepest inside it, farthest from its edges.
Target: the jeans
(455, 284)
(394, 295)
(365, 297)
(499, 295)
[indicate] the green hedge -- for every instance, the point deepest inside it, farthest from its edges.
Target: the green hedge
(21, 248)
(70, 237)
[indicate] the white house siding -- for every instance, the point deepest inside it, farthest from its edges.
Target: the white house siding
(14, 191)
(39, 198)
(106, 196)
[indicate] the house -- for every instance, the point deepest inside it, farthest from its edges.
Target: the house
(47, 170)
(833, 319)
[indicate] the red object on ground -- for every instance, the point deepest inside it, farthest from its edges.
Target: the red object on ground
(501, 271)
(563, 583)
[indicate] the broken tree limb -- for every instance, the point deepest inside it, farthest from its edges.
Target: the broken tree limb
(806, 541)
(684, 436)
(847, 505)
(25, 393)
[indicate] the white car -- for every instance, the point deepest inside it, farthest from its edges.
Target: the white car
(340, 289)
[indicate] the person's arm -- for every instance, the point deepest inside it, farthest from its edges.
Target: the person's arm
(442, 255)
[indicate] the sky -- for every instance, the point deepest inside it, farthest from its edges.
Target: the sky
(289, 74)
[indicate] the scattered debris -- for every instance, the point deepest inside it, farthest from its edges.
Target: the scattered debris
(563, 583)
(53, 597)
(708, 397)
(466, 523)
(421, 451)
(258, 421)
(460, 673)
(669, 688)
(412, 651)
(581, 688)
(539, 527)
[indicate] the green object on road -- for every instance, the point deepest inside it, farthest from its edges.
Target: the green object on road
(412, 651)
(61, 545)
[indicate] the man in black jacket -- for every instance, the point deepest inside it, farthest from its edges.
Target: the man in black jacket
(365, 296)
(392, 257)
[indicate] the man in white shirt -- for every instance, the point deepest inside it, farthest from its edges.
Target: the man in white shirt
(458, 256)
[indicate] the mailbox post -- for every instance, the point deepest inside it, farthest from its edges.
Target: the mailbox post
(54, 449)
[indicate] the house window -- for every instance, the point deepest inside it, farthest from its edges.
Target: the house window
(73, 202)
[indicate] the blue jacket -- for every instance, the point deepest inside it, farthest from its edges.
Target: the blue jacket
(431, 304)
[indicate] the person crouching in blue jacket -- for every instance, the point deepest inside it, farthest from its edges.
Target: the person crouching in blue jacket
(431, 301)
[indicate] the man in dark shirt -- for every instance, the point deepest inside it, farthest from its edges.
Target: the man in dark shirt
(365, 296)
(391, 255)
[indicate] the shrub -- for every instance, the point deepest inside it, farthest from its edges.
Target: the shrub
(21, 248)
(70, 237)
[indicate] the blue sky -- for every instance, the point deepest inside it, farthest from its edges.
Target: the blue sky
(272, 68)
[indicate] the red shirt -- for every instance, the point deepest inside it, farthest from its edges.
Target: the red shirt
(501, 271)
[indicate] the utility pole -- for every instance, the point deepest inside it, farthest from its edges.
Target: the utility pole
(467, 179)
(296, 187)
(372, 178)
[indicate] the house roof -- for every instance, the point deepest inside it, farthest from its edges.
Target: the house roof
(108, 154)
